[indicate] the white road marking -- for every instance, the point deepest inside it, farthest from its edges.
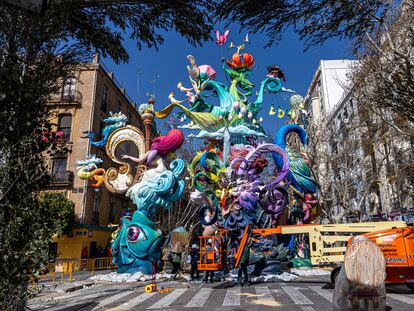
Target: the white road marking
(232, 297)
(78, 294)
(167, 300)
(111, 299)
(307, 308)
(402, 298)
(133, 302)
(297, 297)
(200, 298)
(322, 292)
(65, 305)
(265, 295)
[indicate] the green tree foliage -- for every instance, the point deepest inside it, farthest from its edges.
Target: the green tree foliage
(57, 204)
(36, 51)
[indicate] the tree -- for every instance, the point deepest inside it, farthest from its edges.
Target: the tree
(340, 154)
(386, 66)
(381, 32)
(38, 50)
(364, 165)
(315, 21)
(57, 204)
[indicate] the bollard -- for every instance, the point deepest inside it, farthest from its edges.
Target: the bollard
(70, 267)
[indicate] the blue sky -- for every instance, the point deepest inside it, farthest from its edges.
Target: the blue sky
(168, 65)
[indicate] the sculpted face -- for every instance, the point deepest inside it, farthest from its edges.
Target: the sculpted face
(136, 246)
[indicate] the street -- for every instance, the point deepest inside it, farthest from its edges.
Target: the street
(303, 294)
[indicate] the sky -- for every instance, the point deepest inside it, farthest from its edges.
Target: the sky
(167, 67)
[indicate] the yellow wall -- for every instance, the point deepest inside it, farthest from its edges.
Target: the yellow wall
(71, 247)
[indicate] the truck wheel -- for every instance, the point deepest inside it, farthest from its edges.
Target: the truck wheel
(334, 274)
(410, 285)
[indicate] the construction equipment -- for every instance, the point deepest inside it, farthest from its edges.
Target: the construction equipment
(397, 245)
(326, 242)
(214, 259)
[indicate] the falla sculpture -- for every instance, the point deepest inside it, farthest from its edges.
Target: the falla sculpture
(233, 182)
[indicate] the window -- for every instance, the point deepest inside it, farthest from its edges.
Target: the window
(96, 205)
(345, 113)
(59, 173)
(118, 106)
(69, 87)
(65, 126)
(104, 104)
(96, 202)
(59, 165)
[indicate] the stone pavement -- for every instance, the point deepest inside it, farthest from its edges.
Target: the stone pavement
(307, 294)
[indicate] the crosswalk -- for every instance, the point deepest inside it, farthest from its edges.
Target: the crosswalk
(306, 298)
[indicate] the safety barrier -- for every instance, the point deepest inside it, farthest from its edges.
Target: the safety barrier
(65, 268)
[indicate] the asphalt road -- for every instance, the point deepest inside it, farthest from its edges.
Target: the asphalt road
(304, 295)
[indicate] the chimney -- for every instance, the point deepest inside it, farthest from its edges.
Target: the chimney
(95, 58)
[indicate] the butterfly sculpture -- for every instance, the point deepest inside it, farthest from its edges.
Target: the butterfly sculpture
(222, 39)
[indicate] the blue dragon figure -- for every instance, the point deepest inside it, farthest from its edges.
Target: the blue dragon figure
(113, 122)
(136, 245)
(305, 188)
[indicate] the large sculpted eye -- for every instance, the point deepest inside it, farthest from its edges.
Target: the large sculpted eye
(136, 234)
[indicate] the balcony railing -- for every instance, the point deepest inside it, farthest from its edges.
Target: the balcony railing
(64, 178)
(72, 98)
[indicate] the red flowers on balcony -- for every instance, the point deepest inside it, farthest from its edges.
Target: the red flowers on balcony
(46, 136)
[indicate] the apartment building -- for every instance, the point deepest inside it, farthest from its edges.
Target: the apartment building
(355, 155)
(87, 96)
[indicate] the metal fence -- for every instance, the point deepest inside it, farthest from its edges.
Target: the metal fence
(66, 268)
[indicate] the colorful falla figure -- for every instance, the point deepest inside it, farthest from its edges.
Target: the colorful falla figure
(136, 244)
(229, 179)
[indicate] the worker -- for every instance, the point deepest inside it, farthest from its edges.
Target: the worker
(84, 253)
(210, 256)
(194, 257)
(244, 262)
(176, 252)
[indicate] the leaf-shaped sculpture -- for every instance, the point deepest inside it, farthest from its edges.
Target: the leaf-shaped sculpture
(205, 120)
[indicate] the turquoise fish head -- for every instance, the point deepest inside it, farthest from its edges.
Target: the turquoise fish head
(137, 245)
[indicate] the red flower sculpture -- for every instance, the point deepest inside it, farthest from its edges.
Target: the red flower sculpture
(240, 61)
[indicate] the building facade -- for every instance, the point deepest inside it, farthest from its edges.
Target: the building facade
(87, 96)
(356, 157)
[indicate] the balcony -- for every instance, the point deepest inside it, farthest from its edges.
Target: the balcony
(62, 179)
(73, 98)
